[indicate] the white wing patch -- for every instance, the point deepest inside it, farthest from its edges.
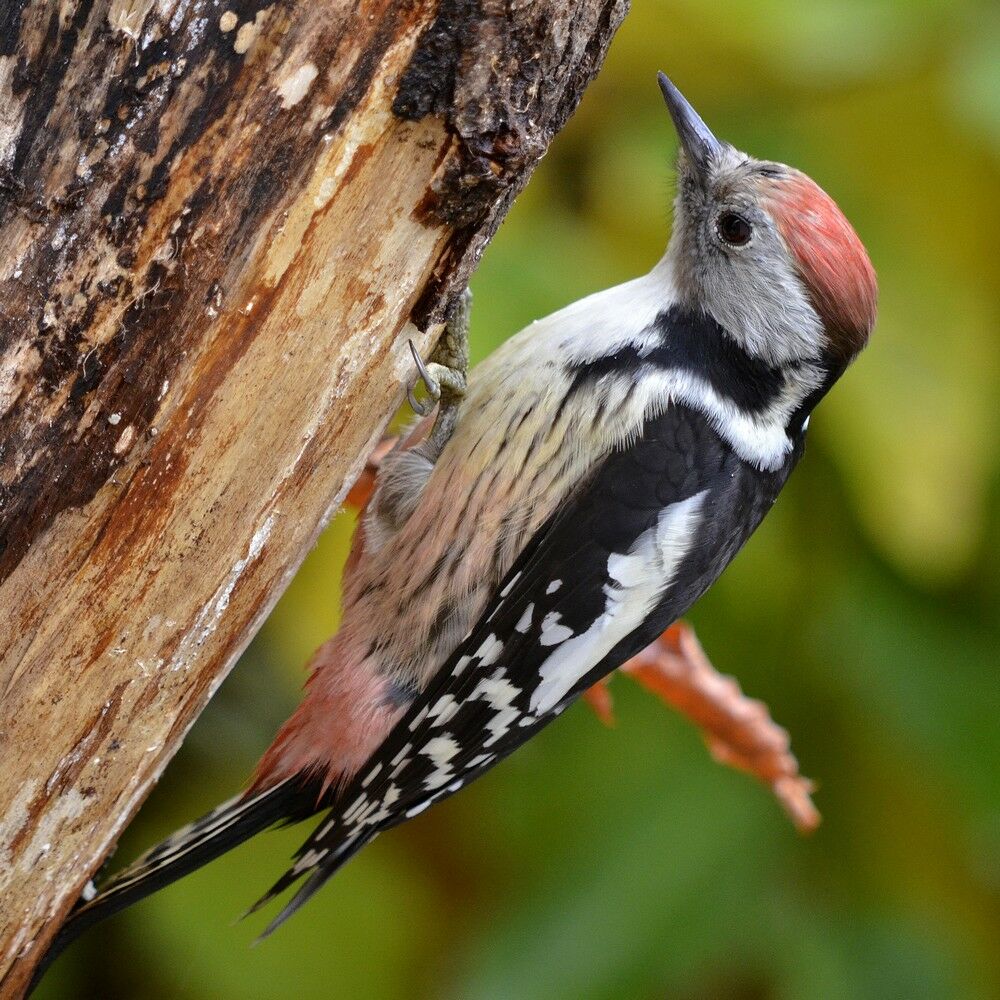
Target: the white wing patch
(553, 631)
(443, 711)
(440, 750)
(525, 623)
(489, 652)
(641, 576)
(499, 693)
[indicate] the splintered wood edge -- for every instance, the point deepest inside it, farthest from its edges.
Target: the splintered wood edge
(130, 599)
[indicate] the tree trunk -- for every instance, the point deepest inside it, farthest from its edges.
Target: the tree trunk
(219, 223)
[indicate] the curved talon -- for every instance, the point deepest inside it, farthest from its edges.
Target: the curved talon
(444, 376)
(431, 384)
(415, 403)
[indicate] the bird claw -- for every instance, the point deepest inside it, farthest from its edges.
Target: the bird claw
(444, 375)
(445, 387)
(432, 386)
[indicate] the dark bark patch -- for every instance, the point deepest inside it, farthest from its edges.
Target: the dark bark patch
(121, 245)
(504, 81)
(428, 85)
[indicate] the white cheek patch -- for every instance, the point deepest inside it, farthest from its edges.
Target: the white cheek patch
(641, 576)
(603, 323)
(758, 438)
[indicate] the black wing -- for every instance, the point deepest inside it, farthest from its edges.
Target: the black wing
(635, 546)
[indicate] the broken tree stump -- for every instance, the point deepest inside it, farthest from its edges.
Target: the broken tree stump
(219, 224)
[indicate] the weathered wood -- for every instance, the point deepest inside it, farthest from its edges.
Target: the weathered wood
(216, 222)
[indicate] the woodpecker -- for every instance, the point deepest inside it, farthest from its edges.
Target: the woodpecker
(590, 482)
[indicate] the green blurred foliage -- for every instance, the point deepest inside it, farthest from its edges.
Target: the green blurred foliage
(625, 863)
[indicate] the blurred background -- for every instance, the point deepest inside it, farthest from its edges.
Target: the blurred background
(624, 863)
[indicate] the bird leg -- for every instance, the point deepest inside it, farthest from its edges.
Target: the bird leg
(738, 730)
(444, 375)
(444, 378)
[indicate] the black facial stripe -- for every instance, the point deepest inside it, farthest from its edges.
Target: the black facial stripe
(691, 341)
(625, 361)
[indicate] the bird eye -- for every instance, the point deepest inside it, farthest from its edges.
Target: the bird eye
(734, 229)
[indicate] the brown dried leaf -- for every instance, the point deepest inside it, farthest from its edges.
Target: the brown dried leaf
(738, 730)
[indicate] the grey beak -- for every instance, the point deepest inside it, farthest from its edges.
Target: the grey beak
(696, 137)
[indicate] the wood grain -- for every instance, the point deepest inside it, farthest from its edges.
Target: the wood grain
(219, 223)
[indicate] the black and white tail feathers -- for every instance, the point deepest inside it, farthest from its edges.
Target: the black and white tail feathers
(194, 845)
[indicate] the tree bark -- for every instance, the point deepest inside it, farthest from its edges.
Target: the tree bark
(219, 223)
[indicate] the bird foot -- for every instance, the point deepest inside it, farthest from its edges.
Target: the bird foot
(444, 374)
(738, 730)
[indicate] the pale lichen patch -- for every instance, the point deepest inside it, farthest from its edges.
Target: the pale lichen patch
(228, 21)
(245, 38)
(12, 823)
(319, 112)
(87, 161)
(295, 85)
(211, 614)
(65, 808)
(127, 16)
(125, 439)
(23, 362)
(325, 193)
(249, 31)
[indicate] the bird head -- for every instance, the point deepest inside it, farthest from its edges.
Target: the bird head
(766, 252)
